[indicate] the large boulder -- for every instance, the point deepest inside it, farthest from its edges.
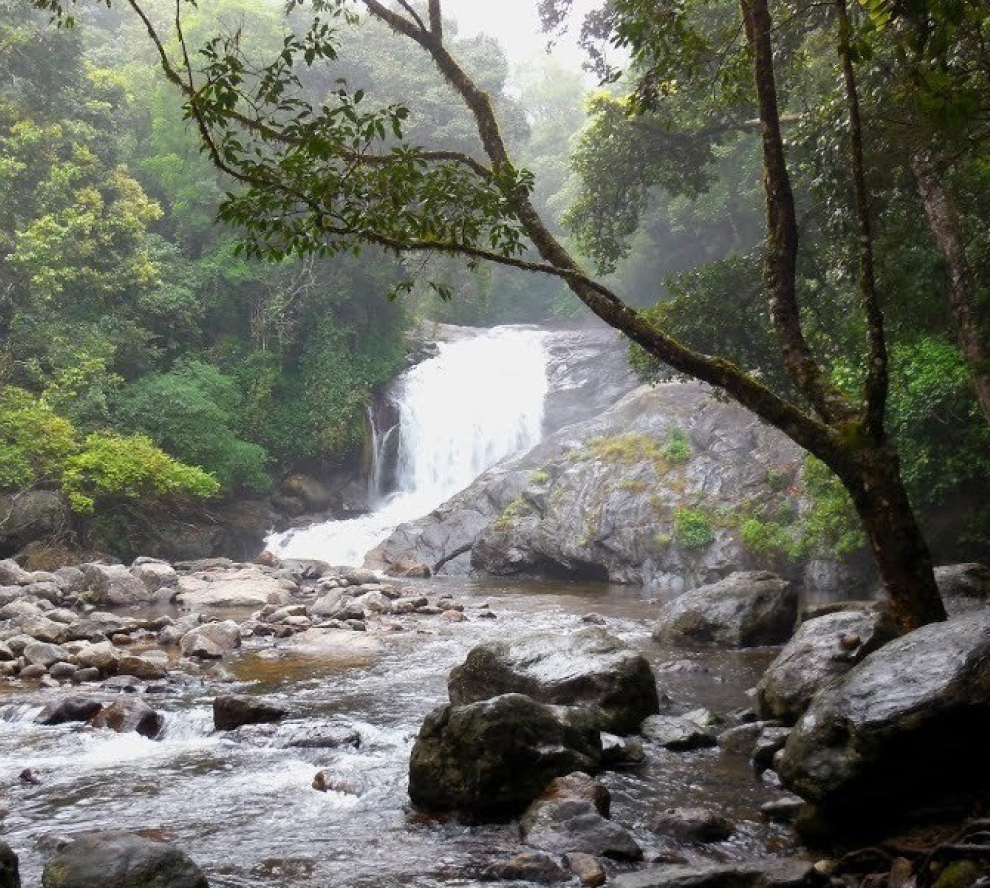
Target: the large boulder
(246, 586)
(493, 757)
(746, 609)
(589, 668)
(116, 859)
(963, 586)
(114, 584)
(129, 714)
(32, 515)
(211, 640)
(234, 710)
(822, 649)
(901, 733)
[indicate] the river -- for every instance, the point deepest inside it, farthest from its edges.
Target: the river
(245, 809)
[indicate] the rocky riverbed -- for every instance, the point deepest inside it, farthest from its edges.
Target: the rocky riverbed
(261, 719)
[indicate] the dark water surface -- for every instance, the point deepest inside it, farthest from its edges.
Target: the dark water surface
(245, 810)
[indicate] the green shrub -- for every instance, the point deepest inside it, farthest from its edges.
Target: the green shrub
(693, 528)
(678, 447)
(34, 441)
(771, 538)
(129, 468)
(830, 523)
(191, 411)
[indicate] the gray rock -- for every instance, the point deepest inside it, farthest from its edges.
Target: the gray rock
(742, 739)
(49, 590)
(768, 744)
(70, 579)
(746, 609)
(41, 653)
(694, 825)
(155, 574)
(771, 873)
(102, 655)
(245, 586)
(233, 710)
(925, 697)
(588, 668)
(115, 859)
(569, 825)
(44, 629)
(678, 733)
(822, 649)
(495, 756)
(211, 640)
(963, 586)
(113, 584)
(578, 786)
(32, 515)
(12, 574)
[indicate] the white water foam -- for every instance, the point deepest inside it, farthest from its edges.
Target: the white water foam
(478, 401)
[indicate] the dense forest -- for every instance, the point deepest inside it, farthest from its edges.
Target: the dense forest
(150, 354)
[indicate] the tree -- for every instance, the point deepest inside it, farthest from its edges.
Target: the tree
(330, 177)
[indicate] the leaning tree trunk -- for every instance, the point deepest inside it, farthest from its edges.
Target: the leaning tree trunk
(902, 555)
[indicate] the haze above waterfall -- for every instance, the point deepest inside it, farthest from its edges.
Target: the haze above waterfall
(478, 401)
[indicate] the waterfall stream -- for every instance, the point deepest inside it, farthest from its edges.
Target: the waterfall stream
(478, 401)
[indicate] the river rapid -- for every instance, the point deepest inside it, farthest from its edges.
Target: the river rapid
(242, 805)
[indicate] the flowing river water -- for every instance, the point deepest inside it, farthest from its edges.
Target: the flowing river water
(242, 804)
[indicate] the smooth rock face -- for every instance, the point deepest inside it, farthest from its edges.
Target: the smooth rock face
(600, 499)
(493, 757)
(120, 860)
(822, 649)
(589, 668)
(904, 730)
(746, 609)
(250, 586)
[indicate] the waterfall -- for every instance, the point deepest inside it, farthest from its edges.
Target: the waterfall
(479, 400)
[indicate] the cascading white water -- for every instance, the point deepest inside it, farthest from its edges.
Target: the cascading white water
(479, 400)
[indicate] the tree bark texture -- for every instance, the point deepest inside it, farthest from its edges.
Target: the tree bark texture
(943, 221)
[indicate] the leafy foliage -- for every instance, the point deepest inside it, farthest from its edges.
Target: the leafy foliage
(693, 529)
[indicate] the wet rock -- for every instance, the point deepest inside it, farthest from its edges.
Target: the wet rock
(493, 757)
(923, 697)
(528, 866)
(963, 586)
(211, 640)
(453, 616)
(694, 825)
(586, 867)
(589, 668)
(772, 873)
(578, 786)
(324, 781)
(344, 645)
(783, 810)
(113, 584)
(770, 741)
(564, 825)
(329, 737)
(9, 867)
(741, 739)
(746, 609)
(408, 567)
(129, 714)
(233, 710)
(88, 673)
(71, 709)
(621, 752)
(821, 650)
(678, 733)
(172, 633)
(115, 859)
